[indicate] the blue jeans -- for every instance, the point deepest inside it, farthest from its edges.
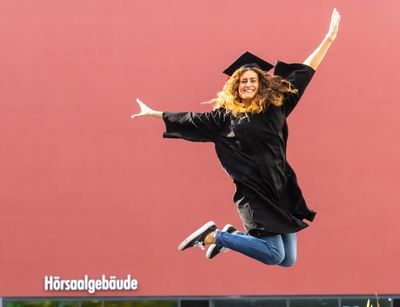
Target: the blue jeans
(280, 249)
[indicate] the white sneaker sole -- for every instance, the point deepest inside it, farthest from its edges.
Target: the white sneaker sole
(210, 250)
(195, 234)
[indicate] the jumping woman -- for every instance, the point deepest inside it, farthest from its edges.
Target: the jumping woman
(249, 130)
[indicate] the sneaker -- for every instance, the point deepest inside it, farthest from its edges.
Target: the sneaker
(214, 249)
(197, 237)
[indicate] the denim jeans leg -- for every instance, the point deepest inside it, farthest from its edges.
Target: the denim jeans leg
(290, 245)
(269, 250)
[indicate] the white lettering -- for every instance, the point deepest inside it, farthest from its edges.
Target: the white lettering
(134, 284)
(112, 283)
(74, 285)
(91, 288)
(48, 283)
(127, 282)
(120, 284)
(55, 283)
(63, 282)
(98, 284)
(104, 282)
(80, 284)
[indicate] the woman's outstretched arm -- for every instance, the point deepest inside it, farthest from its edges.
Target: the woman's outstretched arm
(191, 126)
(146, 111)
(318, 55)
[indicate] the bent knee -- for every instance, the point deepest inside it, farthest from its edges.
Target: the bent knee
(275, 259)
(288, 261)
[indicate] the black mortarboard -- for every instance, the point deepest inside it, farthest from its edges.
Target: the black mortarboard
(248, 59)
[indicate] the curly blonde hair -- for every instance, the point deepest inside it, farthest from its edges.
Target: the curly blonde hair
(271, 91)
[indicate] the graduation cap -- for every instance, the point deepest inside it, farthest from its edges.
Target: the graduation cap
(248, 59)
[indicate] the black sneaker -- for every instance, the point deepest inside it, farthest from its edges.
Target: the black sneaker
(214, 250)
(197, 237)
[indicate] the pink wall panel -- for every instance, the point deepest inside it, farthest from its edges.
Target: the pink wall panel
(87, 190)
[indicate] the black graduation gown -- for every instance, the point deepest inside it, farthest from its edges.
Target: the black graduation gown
(252, 150)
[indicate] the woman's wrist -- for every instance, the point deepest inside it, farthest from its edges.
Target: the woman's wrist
(329, 38)
(157, 114)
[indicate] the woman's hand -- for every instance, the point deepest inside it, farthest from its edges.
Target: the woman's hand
(146, 111)
(334, 26)
(315, 58)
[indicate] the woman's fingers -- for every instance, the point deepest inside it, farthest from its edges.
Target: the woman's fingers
(141, 105)
(333, 13)
(334, 26)
(139, 102)
(144, 109)
(335, 17)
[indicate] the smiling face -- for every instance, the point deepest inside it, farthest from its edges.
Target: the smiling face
(248, 86)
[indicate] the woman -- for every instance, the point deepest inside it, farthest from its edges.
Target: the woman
(249, 130)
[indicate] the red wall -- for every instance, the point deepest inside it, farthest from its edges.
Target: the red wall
(87, 190)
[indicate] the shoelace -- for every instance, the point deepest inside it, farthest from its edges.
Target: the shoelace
(199, 244)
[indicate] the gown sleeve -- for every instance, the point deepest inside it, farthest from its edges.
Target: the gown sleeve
(299, 75)
(195, 127)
